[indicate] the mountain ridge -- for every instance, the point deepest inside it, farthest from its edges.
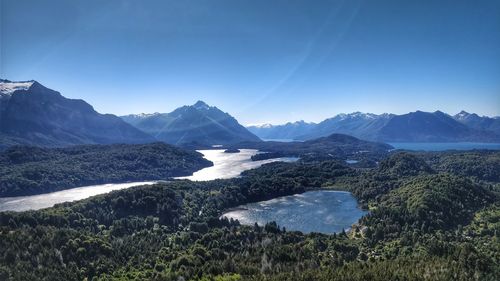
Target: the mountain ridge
(417, 126)
(37, 115)
(188, 124)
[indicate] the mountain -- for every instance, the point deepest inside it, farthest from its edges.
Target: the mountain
(198, 123)
(35, 115)
(411, 127)
(427, 127)
(134, 119)
(286, 131)
(472, 120)
(360, 125)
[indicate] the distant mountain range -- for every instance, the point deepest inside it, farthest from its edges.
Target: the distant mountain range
(198, 123)
(290, 130)
(411, 127)
(32, 114)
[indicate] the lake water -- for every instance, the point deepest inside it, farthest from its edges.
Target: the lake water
(40, 201)
(322, 211)
(230, 165)
(226, 165)
(441, 146)
(282, 140)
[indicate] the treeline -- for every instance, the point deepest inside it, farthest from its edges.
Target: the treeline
(33, 170)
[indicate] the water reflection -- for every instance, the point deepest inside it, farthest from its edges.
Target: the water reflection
(315, 211)
(35, 202)
(230, 165)
(226, 165)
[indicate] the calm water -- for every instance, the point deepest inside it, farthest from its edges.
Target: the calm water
(281, 140)
(35, 202)
(230, 165)
(441, 146)
(314, 211)
(226, 165)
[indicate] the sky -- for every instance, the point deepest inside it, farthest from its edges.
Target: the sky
(263, 61)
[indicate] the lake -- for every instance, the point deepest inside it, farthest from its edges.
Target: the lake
(441, 146)
(282, 140)
(322, 211)
(230, 165)
(40, 201)
(226, 165)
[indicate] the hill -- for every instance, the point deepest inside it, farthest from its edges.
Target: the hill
(32, 170)
(336, 146)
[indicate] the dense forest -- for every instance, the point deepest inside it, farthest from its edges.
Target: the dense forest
(428, 220)
(28, 170)
(332, 147)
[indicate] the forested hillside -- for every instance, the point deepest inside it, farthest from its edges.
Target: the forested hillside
(28, 170)
(424, 223)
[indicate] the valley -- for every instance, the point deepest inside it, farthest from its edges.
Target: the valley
(224, 166)
(194, 195)
(237, 140)
(423, 214)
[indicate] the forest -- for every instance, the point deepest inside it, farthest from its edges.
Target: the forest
(332, 147)
(433, 216)
(26, 170)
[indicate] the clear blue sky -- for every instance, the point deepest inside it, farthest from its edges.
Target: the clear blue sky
(260, 60)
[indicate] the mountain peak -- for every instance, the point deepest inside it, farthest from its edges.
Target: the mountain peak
(201, 105)
(199, 124)
(462, 115)
(36, 115)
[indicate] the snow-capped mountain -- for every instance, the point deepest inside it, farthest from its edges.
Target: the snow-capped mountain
(7, 88)
(198, 123)
(477, 122)
(35, 115)
(289, 130)
(356, 115)
(261, 126)
(133, 119)
(411, 127)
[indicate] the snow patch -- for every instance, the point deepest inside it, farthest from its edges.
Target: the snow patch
(200, 105)
(8, 87)
(462, 115)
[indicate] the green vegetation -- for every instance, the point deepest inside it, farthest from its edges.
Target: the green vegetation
(480, 165)
(425, 224)
(267, 155)
(333, 147)
(32, 170)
